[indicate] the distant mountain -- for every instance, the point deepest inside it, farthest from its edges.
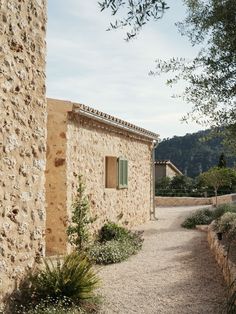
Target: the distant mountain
(193, 153)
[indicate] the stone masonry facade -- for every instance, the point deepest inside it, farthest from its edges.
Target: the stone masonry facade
(89, 142)
(78, 145)
(22, 138)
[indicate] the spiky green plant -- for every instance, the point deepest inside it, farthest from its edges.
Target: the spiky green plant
(73, 278)
(65, 284)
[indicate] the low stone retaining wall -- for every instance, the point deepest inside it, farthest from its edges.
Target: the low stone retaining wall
(224, 199)
(181, 201)
(227, 266)
(164, 201)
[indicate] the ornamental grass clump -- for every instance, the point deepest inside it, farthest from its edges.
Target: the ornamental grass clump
(73, 278)
(115, 244)
(67, 283)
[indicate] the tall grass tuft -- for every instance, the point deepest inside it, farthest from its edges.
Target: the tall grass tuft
(62, 286)
(73, 278)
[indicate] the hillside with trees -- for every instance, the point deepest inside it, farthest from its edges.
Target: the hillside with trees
(193, 153)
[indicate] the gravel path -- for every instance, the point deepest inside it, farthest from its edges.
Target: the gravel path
(174, 273)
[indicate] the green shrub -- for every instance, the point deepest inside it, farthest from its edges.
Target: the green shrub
(227, 225)
(109, 252)
(62, 306)
(115, 244)
(46, 307)
(222, 209)
(206, 216)
(114, 251)
(200, 217)
(112, 231)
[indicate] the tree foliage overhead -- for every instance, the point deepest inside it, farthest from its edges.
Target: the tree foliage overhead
(134, 14)
(211, 76)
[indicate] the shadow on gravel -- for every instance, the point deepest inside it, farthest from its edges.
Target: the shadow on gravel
(200, 286)
(204, 288)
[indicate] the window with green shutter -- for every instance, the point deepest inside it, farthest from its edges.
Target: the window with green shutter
(122, 173)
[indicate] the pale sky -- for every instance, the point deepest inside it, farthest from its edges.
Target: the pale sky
(89, 65)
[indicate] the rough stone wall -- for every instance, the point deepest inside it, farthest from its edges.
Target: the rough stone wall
(224, 199)
(89, 142)
(228, 268)
(193, 201)
(165, 201)
(56, 194)
(22, 137)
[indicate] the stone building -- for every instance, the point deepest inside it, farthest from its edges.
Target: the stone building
(164, 169)
(22, 138)
(115, 159)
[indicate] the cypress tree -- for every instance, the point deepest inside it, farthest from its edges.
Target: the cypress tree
(222, 161)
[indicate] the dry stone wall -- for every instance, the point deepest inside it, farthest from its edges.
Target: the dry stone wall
(193, 201)
(165, 201)
(22, 137)
(228, 268)
(224, 199)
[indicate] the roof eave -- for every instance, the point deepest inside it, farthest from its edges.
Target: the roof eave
(113, 121)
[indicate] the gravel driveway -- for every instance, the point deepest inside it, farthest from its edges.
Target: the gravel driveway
(174, 273)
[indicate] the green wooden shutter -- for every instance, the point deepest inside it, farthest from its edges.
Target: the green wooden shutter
(122, 173)
(125, 171)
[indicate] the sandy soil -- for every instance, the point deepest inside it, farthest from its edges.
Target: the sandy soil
(174, 273)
